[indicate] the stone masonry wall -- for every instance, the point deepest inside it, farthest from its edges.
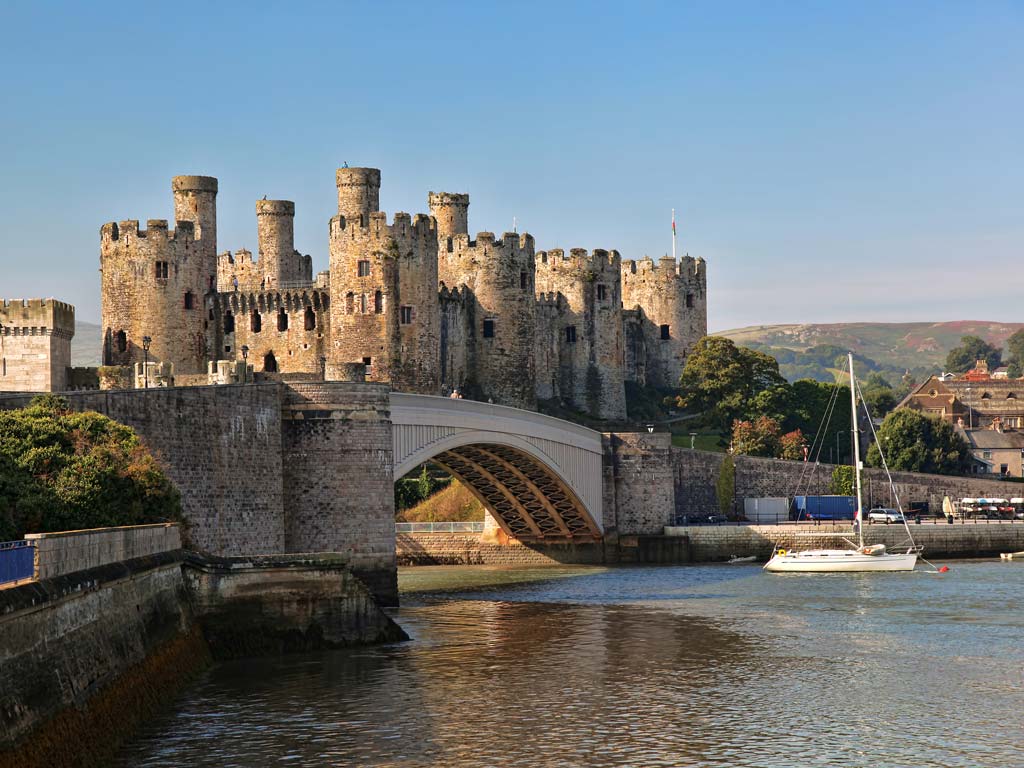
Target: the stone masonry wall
(696, 475)
(469, 549)
(338, 484)
(638, 487)
(221, 447)
(65, 552)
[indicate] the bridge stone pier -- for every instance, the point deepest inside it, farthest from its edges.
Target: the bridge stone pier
(299, 467)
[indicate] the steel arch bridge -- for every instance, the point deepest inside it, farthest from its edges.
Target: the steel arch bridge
(539, 477)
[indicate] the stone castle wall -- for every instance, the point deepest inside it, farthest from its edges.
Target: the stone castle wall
(35, 344)
(286, 331)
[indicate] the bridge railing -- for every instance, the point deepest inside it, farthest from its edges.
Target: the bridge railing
(17, 561)
(439, 527)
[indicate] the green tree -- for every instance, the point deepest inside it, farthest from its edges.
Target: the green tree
(822, 412)
(972, 348)
(842, 480)
(878, 394)
(721, 379)
(1015, 354)
(917, 443)
(65, 470)
(725, 487)
(759, 437)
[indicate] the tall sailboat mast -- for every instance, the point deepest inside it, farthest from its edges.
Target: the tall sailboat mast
(856, 453)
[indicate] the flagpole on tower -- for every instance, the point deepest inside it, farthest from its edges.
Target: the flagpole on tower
(673, 234)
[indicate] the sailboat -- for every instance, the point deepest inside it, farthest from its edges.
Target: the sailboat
(857, 556)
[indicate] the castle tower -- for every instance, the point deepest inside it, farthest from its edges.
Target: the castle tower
(35, 345)
(672, 300)
(499, 277)
(358, 192)
(278, 259)
(384, 308)
(451, 210)
(581, 344)
(195, 200)
(153, 281)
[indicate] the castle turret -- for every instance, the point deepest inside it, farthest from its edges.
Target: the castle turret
(358, 192)
(384, 305)
(451, 210)
(35, 344)
(195, 200)
(672, 301)
(580, 347)
(279, 261)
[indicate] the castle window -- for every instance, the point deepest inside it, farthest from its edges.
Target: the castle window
(986, 396)
(689, 301)
(378, 303)
(523, 280)
(570, 334)
(309, 320)
(270, 363)
(282, 320)
(211, 314)
(665, 335)
(368, 362)
(405, 315)
(364, 268)
(362, 303)
(227, 348)
(602, 292)
(161, 270)
(3, 367)
(449, 245)
(256, 322)
(121, 341)
(489, 328)
(350, 301)
(1011, 396)
(229, 322)
(190, 300)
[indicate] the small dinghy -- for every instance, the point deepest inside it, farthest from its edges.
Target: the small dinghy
(735, 559)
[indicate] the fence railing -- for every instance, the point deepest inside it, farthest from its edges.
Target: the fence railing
(17, 561)
(439, 527)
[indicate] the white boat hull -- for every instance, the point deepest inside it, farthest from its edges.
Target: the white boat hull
(838, 561)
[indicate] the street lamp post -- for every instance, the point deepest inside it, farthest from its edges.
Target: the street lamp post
(245, 363)
(693, 439)
(650, 428)
(146, 341)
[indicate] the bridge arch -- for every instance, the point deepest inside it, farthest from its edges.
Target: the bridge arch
(538, 476)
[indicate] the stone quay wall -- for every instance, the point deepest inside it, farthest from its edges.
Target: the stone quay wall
(471, 549)
(221, 446)
(721, 542)
(696, 474)
(65, 552)
(85, 657)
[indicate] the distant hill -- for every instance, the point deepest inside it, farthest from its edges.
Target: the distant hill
(895, 347)
(87, 345)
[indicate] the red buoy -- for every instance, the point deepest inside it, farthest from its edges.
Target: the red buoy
(943, 569)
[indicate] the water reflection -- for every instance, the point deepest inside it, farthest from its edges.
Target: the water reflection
(637, 667)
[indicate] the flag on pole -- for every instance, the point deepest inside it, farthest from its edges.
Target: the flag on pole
(673, 222)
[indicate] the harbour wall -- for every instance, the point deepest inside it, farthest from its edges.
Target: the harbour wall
(708, 543)
(123, 618)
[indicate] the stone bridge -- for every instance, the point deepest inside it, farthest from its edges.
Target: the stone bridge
(540, 477)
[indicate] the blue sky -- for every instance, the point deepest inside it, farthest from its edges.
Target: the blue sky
(831, 161)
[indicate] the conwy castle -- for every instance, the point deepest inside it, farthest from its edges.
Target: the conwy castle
(416, 302)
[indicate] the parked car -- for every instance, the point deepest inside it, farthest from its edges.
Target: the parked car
(885, 515)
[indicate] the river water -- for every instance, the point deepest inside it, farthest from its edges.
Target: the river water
(660, 666)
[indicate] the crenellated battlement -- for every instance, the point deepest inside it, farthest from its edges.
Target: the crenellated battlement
(35, 316)
(666, 268)
(579, 260)
(511, 243)
(375, 226)
(156, 229)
